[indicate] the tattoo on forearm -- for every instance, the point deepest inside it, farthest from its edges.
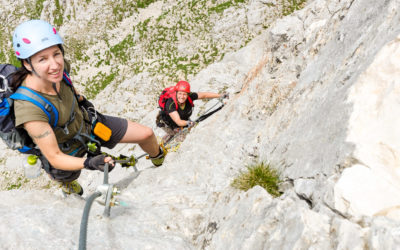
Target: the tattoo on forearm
(44, 134)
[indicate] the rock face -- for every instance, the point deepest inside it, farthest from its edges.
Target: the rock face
(372, 128)
(316, 95)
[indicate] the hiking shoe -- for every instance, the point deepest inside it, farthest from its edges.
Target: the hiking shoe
(72, 187)
(159, 159)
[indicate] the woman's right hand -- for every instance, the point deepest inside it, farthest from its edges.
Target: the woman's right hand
(190, 124)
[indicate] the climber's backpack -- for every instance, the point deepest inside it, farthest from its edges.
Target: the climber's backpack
(18, 138)
(170, 92)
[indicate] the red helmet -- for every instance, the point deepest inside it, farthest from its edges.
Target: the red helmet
(183, 86)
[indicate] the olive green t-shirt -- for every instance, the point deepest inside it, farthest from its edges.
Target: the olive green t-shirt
(26, 111)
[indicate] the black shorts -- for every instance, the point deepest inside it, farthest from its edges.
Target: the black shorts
(118, 127)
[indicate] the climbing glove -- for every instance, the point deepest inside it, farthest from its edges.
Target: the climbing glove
(159, 159)
(97, 163)
(190, 124)
(225, 95)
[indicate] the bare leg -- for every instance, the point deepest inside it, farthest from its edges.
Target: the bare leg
(142, 135)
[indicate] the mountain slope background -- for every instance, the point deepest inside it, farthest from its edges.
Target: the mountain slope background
(314, 93)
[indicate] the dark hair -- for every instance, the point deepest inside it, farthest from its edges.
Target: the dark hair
(18, 77)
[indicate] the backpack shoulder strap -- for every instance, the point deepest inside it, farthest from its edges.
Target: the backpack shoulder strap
(190, 101)
(173, 97)
(67, 79)
(27, 94)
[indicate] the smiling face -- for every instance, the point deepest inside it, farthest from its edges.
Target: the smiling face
(48, 64)
(181, 97)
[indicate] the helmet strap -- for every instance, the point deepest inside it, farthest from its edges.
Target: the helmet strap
(30, 64)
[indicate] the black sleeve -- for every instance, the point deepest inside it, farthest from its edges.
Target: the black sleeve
(170, 106)
(193, 96)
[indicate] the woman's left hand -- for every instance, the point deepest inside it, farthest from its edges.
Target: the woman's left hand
(98, 163)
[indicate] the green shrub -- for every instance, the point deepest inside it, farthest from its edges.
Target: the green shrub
(290, 6)
(19, 182)
(58, 14)
(98, 83)
(144, 3)
(260, 174)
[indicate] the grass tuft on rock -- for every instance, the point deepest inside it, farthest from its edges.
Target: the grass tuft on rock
(261, 174)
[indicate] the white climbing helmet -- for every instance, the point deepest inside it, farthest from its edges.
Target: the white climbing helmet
(33, 36)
